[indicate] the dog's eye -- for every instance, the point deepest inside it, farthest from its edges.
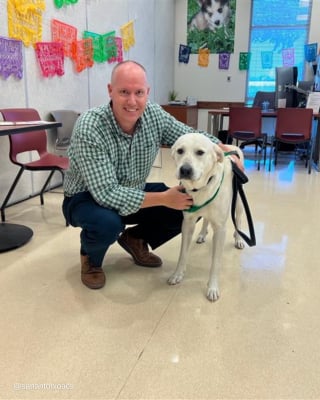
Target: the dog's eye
(200, 153)
(210, 14)
(180, 151)
(220, 10)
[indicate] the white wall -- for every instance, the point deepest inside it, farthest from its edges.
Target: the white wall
(154, 34)
(210, 84)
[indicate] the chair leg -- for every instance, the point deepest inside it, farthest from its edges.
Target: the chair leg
(7, 198)
(276, 153)
(310, 148)
(272, 145)
(45, 186)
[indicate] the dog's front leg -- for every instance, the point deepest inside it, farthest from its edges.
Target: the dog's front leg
(188, 226)
(218, 240)
(204, 231)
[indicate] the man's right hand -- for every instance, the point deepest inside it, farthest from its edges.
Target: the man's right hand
(177, 199)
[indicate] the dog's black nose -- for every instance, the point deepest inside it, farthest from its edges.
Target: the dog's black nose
(186, 171)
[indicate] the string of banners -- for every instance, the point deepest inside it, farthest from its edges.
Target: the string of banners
(288, 57)
(25, 27)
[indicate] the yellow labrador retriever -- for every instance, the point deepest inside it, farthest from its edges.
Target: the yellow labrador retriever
(206, 174)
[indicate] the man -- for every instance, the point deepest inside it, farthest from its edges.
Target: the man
(112, 150)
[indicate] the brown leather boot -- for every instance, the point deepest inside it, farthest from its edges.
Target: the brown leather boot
(92, 277)
(138, 249)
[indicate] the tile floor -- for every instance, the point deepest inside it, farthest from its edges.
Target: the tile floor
(139, 338)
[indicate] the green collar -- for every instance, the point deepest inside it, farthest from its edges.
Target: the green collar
(196, 208)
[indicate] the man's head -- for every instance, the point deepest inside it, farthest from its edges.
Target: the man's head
(129, 92)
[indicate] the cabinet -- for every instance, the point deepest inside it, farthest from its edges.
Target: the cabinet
(184, 113)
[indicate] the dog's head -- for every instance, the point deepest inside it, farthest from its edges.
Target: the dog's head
(217, 12)
(197, 159)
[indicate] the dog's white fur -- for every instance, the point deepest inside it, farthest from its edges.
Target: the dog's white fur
(212, 15)
(203, 169)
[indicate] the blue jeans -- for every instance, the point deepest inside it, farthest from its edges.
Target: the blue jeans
(102, 226)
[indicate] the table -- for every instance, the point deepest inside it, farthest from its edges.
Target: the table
(13, 236)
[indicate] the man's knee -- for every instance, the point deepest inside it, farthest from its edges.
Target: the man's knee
(108, 226)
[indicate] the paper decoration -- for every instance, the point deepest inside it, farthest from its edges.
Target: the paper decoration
(65, 34)
(82, 54)
(10, 58)
(50, 57)
(288, 57)
(25, 20)
(244, 60)
(267, 59)
(60, 3)
(310, 52)
(110, 45)
(127, 34)
(224, 60)
(119, 53)
(203, 57)
(184, 53)
(99, 43)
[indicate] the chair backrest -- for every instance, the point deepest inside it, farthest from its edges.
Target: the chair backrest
(28, 141)
(261, 97)
(294, 124)
(68, 119)
(245, 119)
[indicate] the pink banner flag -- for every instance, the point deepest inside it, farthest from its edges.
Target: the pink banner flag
(50, 57)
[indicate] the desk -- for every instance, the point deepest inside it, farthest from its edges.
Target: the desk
(184, 113)
(13, 236)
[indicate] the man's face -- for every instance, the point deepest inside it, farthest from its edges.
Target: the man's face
(129, 92)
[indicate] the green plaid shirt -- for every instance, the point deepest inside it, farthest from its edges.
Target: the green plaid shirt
(112, 165)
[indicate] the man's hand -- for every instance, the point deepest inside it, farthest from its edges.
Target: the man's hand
(235, 159)
(176, 198)
(172, 198)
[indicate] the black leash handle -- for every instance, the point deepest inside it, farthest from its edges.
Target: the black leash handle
(238, 179)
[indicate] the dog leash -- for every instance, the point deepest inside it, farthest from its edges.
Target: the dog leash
(239, 178)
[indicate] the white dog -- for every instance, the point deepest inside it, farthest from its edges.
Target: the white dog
(206, 174)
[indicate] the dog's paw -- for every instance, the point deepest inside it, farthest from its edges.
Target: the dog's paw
(213, 294)
(239, 244)
(201, 238)
(175, 278)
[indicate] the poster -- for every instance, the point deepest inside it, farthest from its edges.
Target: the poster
(211, 25)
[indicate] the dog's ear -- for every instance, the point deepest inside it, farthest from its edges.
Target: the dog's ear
(173, 149)
(219, 153)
